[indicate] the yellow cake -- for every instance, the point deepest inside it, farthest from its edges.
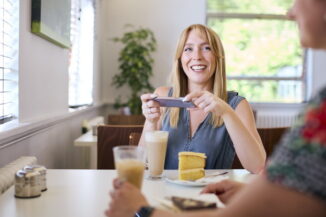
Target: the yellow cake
(191, 165)
(191, 160)
(191, 174)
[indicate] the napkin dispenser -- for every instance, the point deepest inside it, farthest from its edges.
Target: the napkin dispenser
(27, 184)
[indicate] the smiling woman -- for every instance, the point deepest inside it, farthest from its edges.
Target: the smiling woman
(294, 183)
(221, 125)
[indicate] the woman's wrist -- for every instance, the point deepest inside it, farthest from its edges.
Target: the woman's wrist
(150, 125)
(227, 110)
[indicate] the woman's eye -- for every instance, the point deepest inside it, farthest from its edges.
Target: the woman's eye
(207, 48)
(188, 49)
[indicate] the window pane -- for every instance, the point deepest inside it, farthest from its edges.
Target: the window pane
(259, 47)
(81, 62)
(249, 6)
(9, 37)
(268, 91)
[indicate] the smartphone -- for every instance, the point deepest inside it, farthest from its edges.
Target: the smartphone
(187, 204)
(174, 102)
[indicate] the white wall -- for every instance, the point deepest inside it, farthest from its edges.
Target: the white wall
(167, 18)
(46, 128)
(51, 144)
(43, 77)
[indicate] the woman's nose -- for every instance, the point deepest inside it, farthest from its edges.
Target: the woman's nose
(197, 54)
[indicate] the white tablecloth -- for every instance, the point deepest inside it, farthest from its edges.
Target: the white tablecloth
(78, 193)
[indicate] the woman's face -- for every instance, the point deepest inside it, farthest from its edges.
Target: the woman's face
(197, 59)
(310, 16)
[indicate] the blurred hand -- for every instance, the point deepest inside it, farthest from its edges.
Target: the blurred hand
(126, 200)
(207, 101)
(225, 190)
(151, 108)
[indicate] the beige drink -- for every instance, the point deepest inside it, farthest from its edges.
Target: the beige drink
(129, 163)
(131, 171)
(156, 142)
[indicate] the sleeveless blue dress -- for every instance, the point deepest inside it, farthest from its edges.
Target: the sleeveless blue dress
(214, 142)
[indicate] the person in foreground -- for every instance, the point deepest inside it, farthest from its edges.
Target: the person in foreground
(222, 124)
(294, 182)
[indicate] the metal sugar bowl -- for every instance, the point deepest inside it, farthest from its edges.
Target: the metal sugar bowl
(27, 184)
(42, 171)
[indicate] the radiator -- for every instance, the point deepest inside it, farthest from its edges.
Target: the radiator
(270, 120)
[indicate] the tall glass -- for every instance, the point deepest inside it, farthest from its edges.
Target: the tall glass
(129, 163)
(156, 142)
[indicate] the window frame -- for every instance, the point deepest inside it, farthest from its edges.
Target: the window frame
(76, 40)
(9, 57)
(263, 16)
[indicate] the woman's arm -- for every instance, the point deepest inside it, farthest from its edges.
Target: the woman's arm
(259, 198)
(241, 127)
(263, 198)
(152, 111)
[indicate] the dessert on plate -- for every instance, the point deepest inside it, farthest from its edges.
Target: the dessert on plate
(191, 165)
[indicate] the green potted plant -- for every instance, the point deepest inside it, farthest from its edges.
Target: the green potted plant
(135, 64)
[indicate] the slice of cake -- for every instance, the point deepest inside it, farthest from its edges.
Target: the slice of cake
(191, 165)
(191, 160)
(191, 174)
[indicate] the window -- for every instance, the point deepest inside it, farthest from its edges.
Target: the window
(263, 53)
(81, 59)
(9, 29)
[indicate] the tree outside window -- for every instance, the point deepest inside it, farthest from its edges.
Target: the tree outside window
(263, 54)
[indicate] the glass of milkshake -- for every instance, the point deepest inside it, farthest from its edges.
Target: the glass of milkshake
(129, 163)
(156, 142)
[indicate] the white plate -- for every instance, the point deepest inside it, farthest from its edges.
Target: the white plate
(175, 180)
(210, 178)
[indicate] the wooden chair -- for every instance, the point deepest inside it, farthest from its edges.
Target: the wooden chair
(270, 138)
(126, 119)
(134, 138)
(109, 136)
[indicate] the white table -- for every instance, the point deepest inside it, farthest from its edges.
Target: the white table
(90, 141)
(78, 193)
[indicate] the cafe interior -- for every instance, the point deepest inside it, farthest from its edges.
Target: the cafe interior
(65, 84)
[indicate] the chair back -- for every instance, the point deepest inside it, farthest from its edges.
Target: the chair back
(109, 136)
(126, 119)
(134, 138)
(270, 138)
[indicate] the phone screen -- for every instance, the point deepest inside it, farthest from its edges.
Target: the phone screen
(174, 102)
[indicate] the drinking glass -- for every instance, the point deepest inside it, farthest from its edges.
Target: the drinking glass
(156, 143)
(129, 163)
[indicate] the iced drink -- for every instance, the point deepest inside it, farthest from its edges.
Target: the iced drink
(129, 162)
(156, 142)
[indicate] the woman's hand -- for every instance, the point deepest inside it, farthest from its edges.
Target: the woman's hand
(126, 200)
(208, 102)
(151, 109)
(225, 190)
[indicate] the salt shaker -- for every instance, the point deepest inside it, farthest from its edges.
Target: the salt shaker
(27, 184)
(42, 171)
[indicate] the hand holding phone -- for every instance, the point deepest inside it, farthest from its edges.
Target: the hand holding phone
(174, 102)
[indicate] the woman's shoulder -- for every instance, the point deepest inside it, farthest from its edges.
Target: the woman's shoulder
(162, 91)
(232, 94)
(234, 98)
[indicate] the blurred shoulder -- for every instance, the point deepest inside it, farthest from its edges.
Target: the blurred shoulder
(162, 91)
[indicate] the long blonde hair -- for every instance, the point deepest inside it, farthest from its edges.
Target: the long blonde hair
(180, 79)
